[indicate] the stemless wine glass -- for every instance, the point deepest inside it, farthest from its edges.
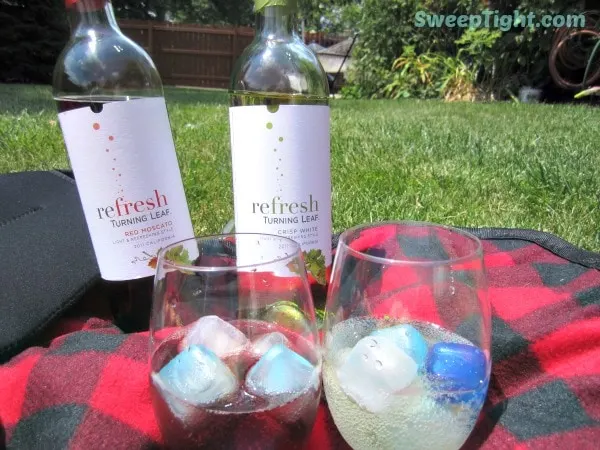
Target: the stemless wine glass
(407, 336)
(234, 350)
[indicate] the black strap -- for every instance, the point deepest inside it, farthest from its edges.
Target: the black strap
(548, 241)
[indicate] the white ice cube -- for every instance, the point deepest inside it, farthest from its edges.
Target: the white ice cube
(217, 335)
(281, 372)
(374, 370)
(262, 345)
(407, 338)
(197, 376)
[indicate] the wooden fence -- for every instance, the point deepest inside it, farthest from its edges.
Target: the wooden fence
(195, 55)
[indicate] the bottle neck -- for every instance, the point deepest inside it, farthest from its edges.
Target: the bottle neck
(276, 22)
(92, 15)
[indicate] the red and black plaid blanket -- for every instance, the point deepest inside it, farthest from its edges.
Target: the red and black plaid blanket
(86, 385)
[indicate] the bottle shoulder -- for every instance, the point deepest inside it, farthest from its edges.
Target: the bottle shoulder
(287, 67)
(105, 63)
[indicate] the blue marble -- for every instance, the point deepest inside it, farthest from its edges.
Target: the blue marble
(457, 370)
(407, 338)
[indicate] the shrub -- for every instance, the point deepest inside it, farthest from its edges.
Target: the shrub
(416, 75)
(521, 56)
(32, 37)
(499, 62)
(436, 74)
(387, 26)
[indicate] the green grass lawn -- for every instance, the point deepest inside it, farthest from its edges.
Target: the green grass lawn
(498, 164)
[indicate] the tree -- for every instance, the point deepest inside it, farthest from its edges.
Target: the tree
(234, 12)
(142, 10)
(32, 38)
(318, 15)
(330, 15)
(195, 11)
(388, 26)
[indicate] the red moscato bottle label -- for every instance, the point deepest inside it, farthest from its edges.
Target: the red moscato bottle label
(129, 182)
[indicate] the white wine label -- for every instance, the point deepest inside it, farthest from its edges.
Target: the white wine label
(282, 178)
(129, 182)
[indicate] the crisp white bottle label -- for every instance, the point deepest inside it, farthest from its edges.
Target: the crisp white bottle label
(129, 183)
(281, 175)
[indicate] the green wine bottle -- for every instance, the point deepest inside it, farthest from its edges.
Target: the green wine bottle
(279, 122)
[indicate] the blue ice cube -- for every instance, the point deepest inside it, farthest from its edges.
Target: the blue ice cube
(280, 372)
(198, 376)
(407, 338)
(459, 370)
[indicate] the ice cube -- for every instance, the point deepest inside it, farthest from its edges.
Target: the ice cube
(261, 345)
(217, 335)
(457, 369)
(280, 372)
(375, 369)
(408, 339)
(183, 411)
(197, 376)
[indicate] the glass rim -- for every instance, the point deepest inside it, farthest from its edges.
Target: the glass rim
(476, 253)
(161, 260)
